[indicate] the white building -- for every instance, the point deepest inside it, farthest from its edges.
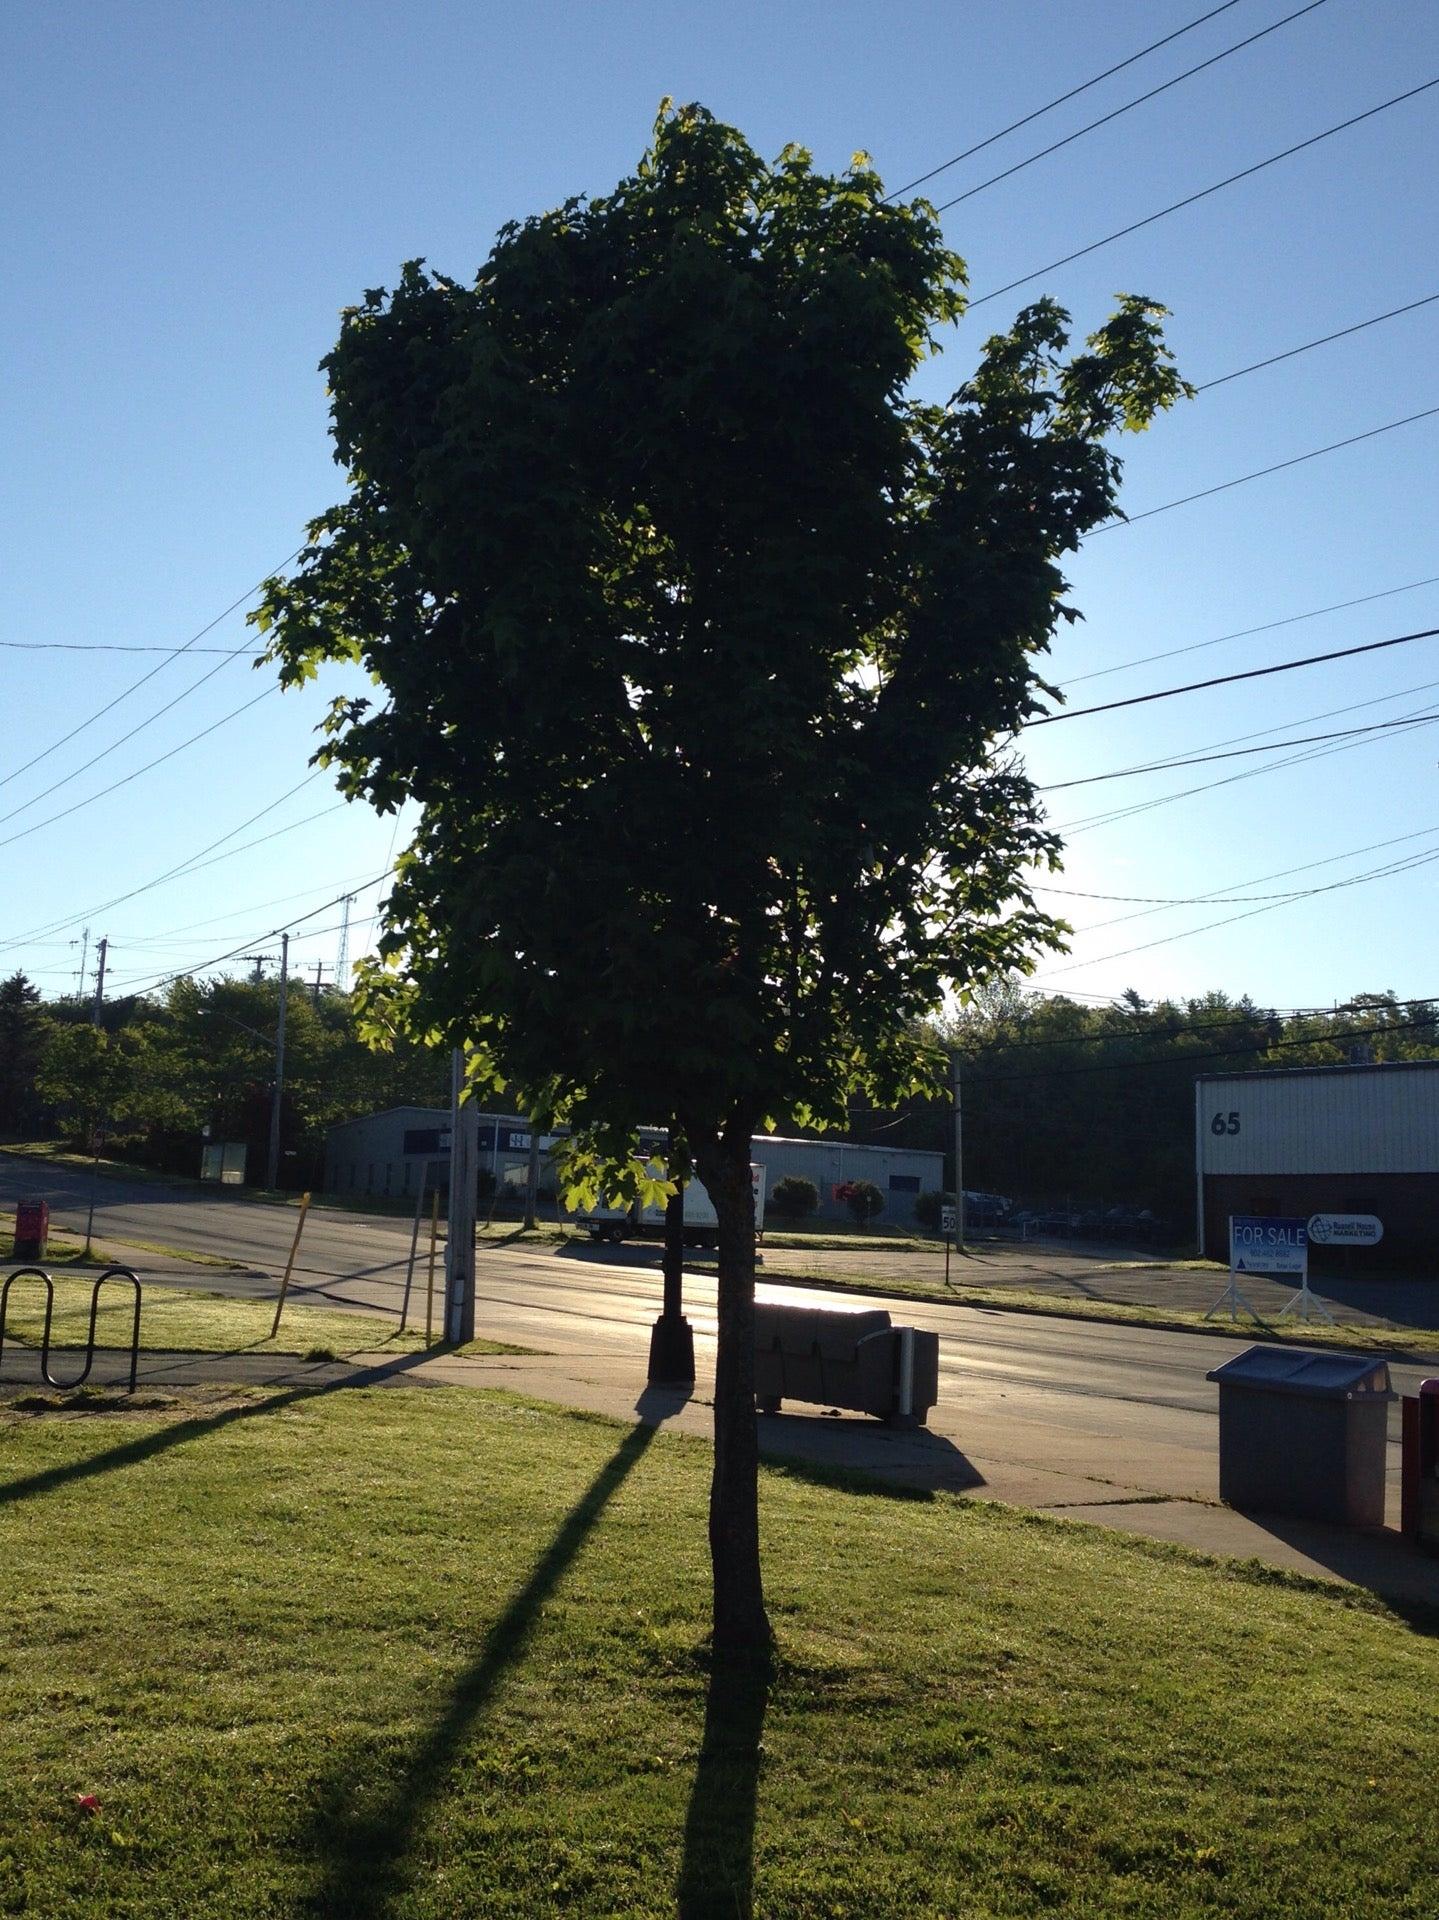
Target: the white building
(388, 1153)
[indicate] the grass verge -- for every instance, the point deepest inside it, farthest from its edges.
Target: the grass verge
(270, 1655)
(1420, 1343)
(179, 1320)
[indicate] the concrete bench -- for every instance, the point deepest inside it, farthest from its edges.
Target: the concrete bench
(859, 1361)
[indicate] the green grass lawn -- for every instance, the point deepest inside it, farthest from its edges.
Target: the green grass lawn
(1399, 1341)
(440, 1654)
(175, 1319)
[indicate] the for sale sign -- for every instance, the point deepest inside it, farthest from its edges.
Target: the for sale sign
(1267, 1243)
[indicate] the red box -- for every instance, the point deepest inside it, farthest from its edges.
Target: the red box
(32, 1229)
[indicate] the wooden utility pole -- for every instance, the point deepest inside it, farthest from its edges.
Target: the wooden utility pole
(272, 1165)
(101, 951)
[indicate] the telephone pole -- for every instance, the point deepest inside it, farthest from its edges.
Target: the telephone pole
(320, 971)
(258, 960)
(272, 1170)
(101, 951)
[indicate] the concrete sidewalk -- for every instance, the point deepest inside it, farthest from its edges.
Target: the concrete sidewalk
(1381, 1562)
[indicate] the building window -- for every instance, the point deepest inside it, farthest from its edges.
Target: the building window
(904, 1183)
(422, 1140)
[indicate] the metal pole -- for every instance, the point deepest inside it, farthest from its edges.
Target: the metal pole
(94, 1176)
(672, 1340)
(430, 1288)
(958, 1156)
(460, 1244)
(532, 1175)
(101, 951)
(272, 1167)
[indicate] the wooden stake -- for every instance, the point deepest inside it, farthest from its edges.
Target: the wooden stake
(290, 1263)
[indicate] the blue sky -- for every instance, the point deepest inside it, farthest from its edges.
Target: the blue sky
(191, 193)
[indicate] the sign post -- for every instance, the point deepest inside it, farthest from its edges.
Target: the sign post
(1268, 1244)
(948, 1226)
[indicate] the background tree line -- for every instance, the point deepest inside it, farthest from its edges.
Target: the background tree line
(155, 1072)
(1064, 1104)
(1085, 1106)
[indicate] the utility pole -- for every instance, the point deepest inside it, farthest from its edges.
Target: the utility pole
(101, 951)
(460, 1243)
(320, 970)
(84, 946)
(259, 960)
(272, 1169)
(958, 1155)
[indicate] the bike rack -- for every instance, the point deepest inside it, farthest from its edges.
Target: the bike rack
(39, 1273)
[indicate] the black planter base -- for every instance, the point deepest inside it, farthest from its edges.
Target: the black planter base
(672, 1351)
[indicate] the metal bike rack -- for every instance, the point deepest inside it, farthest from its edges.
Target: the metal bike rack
(39, 1273)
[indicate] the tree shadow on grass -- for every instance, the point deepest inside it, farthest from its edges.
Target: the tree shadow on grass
(364, 1846)
(717, 1873)
(164, 1439)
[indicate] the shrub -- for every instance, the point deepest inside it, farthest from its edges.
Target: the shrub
(862, 1197)
(927, 1209)
(794, 1197)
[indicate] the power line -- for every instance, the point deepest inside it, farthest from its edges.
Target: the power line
(150, 765)
(1260, 473)
(1217, 897)
(182, 973)
(1218, 186)
(192, 926)
(145, 678)
(1060, 99)
(115, 745)
(115, 646)
(1228, 679)
(1418, 717)
(1245, 633)
(1360, 326)
(1128, 106)
(193, 863)
(1236, 753)
(1389, 871)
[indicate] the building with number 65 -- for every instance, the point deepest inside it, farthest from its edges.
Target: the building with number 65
(1354, 1150)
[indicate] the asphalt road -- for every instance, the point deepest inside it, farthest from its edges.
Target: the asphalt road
(1046, 1404)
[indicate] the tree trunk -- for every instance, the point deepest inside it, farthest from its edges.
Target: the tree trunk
(741, 1625)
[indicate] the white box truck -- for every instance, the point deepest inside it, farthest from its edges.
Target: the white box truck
(648, 1223)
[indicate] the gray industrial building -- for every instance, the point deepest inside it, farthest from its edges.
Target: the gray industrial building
(388, 1153)
(1305, 1141)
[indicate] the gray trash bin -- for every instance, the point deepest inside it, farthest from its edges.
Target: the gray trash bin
(1304, 1433)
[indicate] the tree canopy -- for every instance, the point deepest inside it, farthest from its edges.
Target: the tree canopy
(697, 636)
(700, 643)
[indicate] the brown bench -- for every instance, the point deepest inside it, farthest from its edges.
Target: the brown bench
(860, 1361)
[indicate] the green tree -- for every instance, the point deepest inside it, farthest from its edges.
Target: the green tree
(699, 641)
(794, 1197)
(23, 1032)
(99, 1079)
